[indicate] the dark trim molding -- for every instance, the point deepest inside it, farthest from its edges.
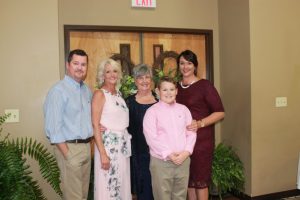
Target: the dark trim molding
(156, 47)
(207, 33)
(89, 28)
(209, 57)
(272, 196)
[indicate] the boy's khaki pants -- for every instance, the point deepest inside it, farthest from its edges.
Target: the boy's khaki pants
(169, 181)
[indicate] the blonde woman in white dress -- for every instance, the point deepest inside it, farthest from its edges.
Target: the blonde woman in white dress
(112, 147)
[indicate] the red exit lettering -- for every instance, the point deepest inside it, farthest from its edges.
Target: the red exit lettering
(144, 2)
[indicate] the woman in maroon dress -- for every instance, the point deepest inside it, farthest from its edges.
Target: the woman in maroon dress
(205, 104)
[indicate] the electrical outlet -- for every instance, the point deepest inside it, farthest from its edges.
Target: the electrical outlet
(14, 115)
(280, 101)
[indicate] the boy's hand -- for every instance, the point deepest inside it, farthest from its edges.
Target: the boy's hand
(180, 157)
(173, 156)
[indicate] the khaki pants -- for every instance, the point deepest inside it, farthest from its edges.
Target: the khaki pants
(169, 181)
(75, 170)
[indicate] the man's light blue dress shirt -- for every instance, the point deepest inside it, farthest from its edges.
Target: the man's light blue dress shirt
(67, 111)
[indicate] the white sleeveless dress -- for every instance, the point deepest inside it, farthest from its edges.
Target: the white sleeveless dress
(114, 184)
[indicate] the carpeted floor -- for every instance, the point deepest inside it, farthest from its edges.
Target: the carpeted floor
(292, 198)
(224, 198)
(235, 198)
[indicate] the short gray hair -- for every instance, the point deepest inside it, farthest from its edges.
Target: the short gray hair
(141, 70)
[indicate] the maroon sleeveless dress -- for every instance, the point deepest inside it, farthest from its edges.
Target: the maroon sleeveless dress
(202, 99)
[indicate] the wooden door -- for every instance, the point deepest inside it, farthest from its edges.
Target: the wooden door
(142, 47)
(176, 43)
(101, 45)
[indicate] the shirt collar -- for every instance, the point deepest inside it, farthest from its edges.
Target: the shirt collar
(166, 104)
(72, 82)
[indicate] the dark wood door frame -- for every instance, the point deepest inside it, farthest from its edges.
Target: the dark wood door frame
(207, 33)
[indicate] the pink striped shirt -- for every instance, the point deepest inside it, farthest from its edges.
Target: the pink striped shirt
(165, 129)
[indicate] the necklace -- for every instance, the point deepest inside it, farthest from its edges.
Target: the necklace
(187, 86)
(145, 99)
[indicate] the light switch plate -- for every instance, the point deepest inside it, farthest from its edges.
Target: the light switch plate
(14, 115)
(280, 101)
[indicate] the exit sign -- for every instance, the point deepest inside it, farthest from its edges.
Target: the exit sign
(143, 3)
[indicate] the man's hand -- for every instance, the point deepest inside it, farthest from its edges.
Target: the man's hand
(63, 148)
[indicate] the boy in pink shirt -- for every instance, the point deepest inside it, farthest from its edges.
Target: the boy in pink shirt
(170, 143)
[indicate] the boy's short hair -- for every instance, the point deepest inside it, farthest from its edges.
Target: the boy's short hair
(166, 79)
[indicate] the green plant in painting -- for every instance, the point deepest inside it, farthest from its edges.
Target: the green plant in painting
(16, 181)
(128, 86)
(227, 170)
(158, 74)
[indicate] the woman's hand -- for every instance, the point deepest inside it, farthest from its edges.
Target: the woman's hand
(193, 126)
(105, 162)
(102, 128)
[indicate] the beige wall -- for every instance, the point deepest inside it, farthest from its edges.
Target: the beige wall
(235, 79)
(259, 59)
(29, 65)
(275, 71)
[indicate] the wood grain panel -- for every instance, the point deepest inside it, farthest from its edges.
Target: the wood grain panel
(100, 45)
(177, 43)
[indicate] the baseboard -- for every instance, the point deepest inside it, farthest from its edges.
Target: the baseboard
(272, 196)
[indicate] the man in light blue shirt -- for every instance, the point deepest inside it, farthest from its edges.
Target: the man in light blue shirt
(68, 126)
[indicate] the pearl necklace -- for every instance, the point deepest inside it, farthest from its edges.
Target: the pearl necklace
(184, 87)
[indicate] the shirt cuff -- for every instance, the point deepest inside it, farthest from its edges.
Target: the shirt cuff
(189, 149)
(56, 141)
(165, 154)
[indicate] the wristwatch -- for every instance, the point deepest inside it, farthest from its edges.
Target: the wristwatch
(202, 124)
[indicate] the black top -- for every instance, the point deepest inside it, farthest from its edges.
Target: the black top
(136, 117)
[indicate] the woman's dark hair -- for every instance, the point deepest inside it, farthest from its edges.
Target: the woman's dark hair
(189, 56)
(79, 52)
